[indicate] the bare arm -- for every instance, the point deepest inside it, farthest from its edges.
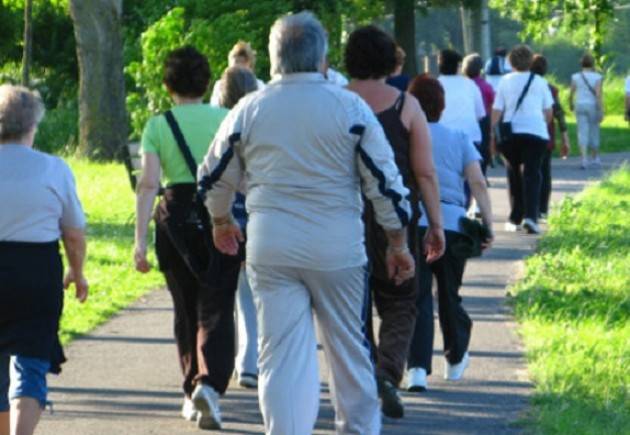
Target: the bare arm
(146, 191)
(479, 190)
(496, 117)
(75, 247)
(426, 178)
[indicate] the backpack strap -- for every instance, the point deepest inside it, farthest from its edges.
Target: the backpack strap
(181, 143)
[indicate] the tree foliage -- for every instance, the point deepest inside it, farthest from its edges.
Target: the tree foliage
(542, 18)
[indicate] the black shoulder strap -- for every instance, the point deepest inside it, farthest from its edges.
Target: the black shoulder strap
(400, 102)
(181, 143)
(588, 85)
(525, 89)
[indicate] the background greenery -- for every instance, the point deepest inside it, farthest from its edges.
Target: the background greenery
(109, 204)
(574, 306)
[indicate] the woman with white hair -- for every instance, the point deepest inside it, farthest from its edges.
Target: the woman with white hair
(310, 149)
(242, 55)
(39, 207)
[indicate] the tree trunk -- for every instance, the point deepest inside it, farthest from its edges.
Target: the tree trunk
(28, 43)
(484, 48)
(466, 29)
(405, 33)
(102, 113)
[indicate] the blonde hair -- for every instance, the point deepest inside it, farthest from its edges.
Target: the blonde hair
(242, 54)
(20, 111)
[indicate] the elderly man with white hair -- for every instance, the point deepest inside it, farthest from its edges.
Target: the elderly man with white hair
(307, 150)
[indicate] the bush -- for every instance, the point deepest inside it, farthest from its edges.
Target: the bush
(58, 132)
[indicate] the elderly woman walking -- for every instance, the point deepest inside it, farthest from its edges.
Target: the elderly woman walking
(39, 207)
(523, 106)
(370, 56)
(586, 99)
(309, 148)
(202, 282)
(456, 160)
(237, 82)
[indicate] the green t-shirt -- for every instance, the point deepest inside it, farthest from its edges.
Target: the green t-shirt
(198, 122)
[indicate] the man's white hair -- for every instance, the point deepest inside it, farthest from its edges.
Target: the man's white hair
(297, 43)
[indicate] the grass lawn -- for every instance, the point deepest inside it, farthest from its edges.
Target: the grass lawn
(109, 205)
(574, 307)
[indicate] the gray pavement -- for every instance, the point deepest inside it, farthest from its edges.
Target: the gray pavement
(124, 377)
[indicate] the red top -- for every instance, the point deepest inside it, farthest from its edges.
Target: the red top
(487, 93)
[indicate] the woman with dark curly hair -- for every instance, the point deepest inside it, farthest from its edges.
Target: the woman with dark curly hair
(370, 58)
(204, 319)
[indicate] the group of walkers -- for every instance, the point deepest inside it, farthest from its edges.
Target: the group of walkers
(307, 197)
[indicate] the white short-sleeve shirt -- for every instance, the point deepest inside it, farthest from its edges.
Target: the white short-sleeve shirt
(38, 197)
(628, 85)
(530, 117)
(463, 105)
(583, 94)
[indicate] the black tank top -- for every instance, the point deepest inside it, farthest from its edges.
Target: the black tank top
(375, 238)
(398, 137)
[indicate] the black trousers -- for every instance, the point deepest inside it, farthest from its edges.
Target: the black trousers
(524, 155)
(204, 315)
(545, 187)
(455, 323)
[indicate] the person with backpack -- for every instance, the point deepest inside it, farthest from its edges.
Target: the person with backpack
(496, 67)
(201, 280)
(522, 109)
(586, 100)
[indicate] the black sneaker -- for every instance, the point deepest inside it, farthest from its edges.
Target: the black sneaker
(391, 405)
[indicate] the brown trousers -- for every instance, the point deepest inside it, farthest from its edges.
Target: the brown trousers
(204, 313)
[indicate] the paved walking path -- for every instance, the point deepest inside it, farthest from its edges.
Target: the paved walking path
(124, 377)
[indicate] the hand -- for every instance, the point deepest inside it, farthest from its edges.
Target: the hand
(566, 147)
(400, 265)
(80, 284)
(227, 237)
(140, 258)
(487, 243)
(433, 244)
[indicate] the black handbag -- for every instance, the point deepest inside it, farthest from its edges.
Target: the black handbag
(184, 218)
(505, 127)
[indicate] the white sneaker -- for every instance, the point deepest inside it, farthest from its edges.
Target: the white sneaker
(455, 372)
(512, 227)
(584, 164)
(206, 401)
(247, 380)
(416, 380)
(596, 162)
(188, 410)
(530, 226)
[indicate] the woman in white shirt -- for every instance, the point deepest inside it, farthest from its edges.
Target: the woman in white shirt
(529, 138)
(242, 54)
(585, 100)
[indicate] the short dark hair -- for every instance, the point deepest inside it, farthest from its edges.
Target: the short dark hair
(500, 51)
(448, 62)
(430, 94)
(370, 53)
(473, 65)
(521, 57)
(187, 72)
(539, 65)
(587, 61)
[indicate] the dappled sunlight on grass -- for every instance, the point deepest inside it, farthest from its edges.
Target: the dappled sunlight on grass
(574, 306)
(109, 205)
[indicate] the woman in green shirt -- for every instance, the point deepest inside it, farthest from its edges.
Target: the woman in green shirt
(203, 302)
